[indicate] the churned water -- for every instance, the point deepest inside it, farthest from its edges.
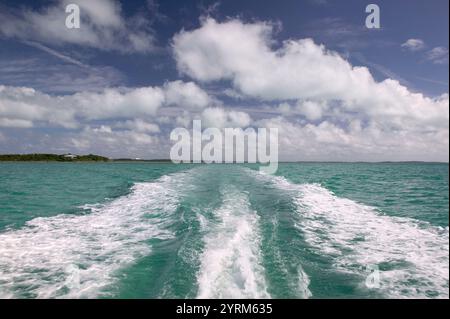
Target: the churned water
(146, 230)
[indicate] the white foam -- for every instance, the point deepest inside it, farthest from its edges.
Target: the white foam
(413, 256)
(231, 262)
(77, 256)
(303, 284)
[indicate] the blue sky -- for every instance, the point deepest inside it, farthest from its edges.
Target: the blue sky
(60, 67)
(338, 24)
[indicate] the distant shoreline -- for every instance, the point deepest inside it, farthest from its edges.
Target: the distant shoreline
(42, 157)
(91, 158)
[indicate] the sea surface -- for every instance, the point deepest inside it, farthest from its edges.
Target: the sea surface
(148, 230)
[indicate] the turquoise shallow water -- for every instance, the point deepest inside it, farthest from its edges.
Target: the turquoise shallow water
(140, 230)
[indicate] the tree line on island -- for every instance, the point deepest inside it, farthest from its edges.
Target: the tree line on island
(40, 157)
(52, 158)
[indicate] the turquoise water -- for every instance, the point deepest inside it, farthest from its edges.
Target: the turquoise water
(140, 230)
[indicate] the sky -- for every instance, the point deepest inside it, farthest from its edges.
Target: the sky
(135, 70)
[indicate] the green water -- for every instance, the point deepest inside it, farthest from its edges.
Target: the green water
(140, 230)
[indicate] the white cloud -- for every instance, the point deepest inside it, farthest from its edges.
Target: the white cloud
(330, 110)
(26, 104)
(103, 26)
(414, 44)
(139, 125)
(284, 108)
(239, 119)
(21, 106)
(438, 55)
(356, 142)
(106, 140)
(6, 122)
(187, 95)
(327, 88)
(184, 120)
(18, 103)
(299, 69)
(214, 117)
(242, 53)
(113, 103)
(114, 143)
(220, 118)
(312, 110)
(232, 93)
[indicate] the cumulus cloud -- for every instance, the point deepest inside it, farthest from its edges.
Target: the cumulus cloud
(18, 103)
(22, 106)
(113, 138)
(188, 95)
(220, 118)
(414, 44)
(115, 122)
(312, 110)
(438, 55)
(103, 26)
(139, 125)
(5, 122)
(284, 108)
(299, 69)
(328, 89)
(324, 107)
(242, 53)
(112, 142)
(356, 142)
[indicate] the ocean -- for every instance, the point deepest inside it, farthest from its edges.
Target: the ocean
(150, 230)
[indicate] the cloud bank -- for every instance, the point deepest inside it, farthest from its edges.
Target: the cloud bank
(343, 106)
(324, 107)
(103, 26)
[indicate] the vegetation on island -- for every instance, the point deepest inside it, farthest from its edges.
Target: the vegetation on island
(52, 158)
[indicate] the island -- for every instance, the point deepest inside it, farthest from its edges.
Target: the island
(52, 158)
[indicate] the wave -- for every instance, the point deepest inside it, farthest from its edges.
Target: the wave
(83, 256)
(412, 256)
(78, 256)
(231, 262)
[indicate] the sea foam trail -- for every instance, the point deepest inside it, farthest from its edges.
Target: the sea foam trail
(231, 262)
(76, 256)
(412, 256)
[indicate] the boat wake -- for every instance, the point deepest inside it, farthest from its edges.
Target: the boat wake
(227, 236)
(412, 256)
(76, 256)
(231, 261)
